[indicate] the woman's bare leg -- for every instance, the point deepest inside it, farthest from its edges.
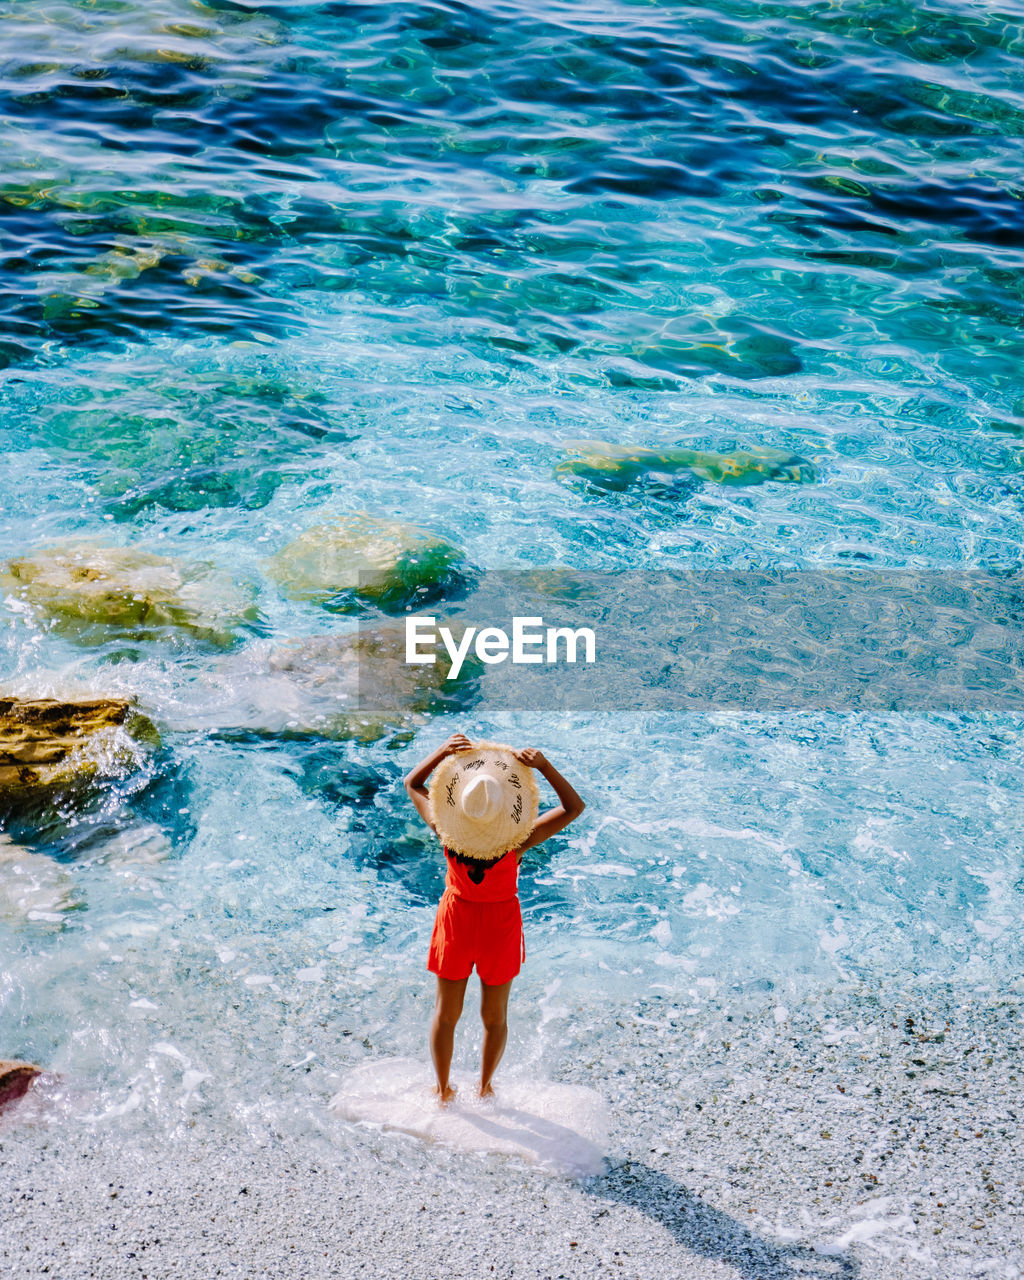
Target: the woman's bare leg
(447, 1011)
(494, 1012)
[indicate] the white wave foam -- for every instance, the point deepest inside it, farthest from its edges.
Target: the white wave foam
(560, 1127)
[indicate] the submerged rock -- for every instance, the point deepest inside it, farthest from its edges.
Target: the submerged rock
(92, 593)
(361, 559)
(227, 484)
(188, 440)
(351, 686)
(48, 746)
(138, 847)
(33, 886)
(126, 262)
(133, 270)
(15, 1080)
(617, 467)
(737, 352)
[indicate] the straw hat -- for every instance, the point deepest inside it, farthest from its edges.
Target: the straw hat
(483, 801)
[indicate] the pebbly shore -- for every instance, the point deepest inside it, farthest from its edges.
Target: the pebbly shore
(869, 1132)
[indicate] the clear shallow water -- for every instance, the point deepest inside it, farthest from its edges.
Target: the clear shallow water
(267, 262)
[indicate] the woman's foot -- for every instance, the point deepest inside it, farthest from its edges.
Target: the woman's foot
(486, 1091)
(445, 1095)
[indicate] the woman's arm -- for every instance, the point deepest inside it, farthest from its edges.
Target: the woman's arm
(553, 820)
(415, 779)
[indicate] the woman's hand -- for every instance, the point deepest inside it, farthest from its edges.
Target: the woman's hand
(415, 779)
(553, 820)
(531, 757)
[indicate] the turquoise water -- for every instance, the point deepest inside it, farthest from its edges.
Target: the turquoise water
(267, 263)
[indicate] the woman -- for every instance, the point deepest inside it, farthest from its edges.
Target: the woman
(483, 804)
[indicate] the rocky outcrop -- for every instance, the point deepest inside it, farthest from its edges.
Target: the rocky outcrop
(357, 559)
(15, 1080)
(616, 467)
(48, 745)
(91, 593)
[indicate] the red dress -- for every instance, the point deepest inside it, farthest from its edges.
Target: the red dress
(479, 923)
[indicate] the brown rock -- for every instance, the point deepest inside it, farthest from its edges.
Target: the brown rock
(15, 1080)
(47, 743)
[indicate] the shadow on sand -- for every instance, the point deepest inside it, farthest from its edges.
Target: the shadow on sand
(708, 1231)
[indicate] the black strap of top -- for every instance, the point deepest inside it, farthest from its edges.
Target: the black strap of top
(476, 868)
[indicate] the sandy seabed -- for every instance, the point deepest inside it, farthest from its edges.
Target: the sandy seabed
(868, 1133)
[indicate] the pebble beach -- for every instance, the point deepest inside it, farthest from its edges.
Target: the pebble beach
(866, 1133)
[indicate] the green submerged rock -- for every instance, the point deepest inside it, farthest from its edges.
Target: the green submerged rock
(186, 441)
(617, 467)
(748, 356)
(91, 593)
(361, 559)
